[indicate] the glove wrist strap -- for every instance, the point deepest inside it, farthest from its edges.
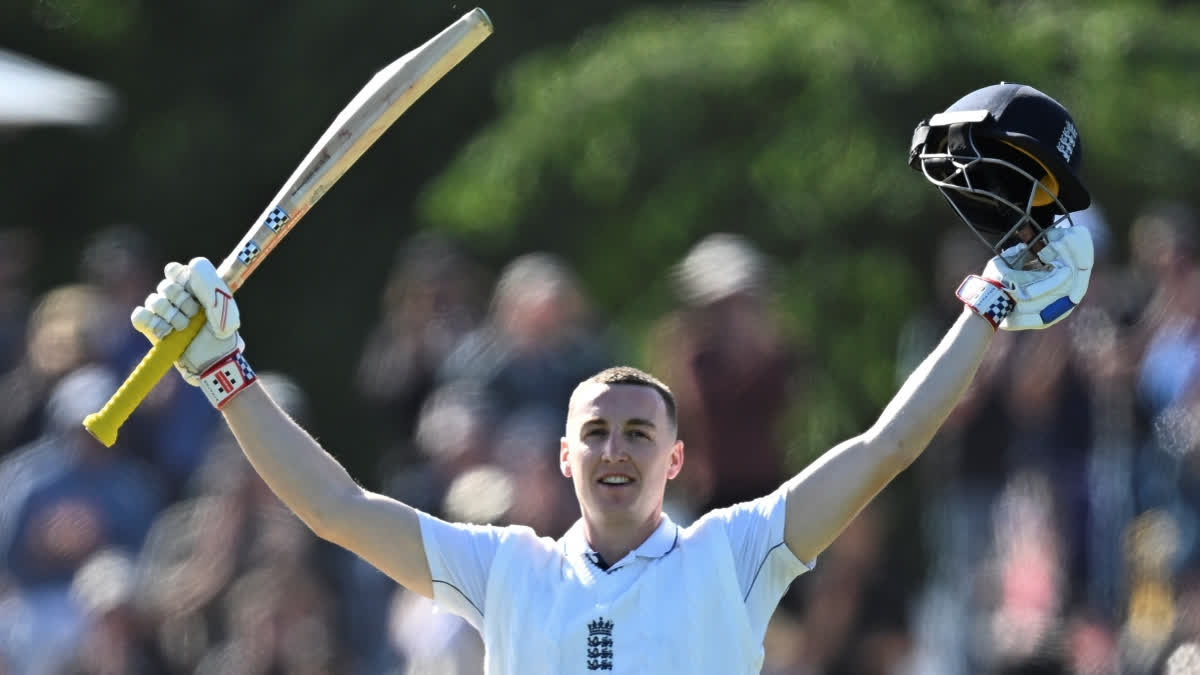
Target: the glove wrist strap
(987, 298)
(226, 378)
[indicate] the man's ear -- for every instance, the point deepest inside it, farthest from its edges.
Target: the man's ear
(676, 463)
(564, 460)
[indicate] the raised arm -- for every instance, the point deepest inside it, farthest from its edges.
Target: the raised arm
(383, 531)
(829, 493)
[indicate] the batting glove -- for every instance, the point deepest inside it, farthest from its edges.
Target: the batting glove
(1038, 297)
(213, 360)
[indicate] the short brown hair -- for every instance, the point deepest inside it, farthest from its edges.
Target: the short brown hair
(638, 377)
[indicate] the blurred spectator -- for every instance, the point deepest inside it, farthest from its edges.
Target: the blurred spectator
(731, 370)
(527, 448)
(67, 497)
(1023, 591)
(60, 339)
(1164, 243)
(1159, 341)
(539, 340)
(123, 265)
(430, 302)
(275, 619)
(454, 433)
(1090, 644)
(480, 495)
(99, 497)
(116, 639)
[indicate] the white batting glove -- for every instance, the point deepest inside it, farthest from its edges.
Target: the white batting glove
(1032, 299)
(213, 360)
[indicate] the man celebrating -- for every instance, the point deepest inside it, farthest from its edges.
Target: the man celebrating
(626, 589)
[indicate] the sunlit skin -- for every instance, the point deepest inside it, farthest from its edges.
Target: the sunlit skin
(1027, 233)
(619, 431)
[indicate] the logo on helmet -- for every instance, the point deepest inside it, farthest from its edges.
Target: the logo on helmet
(1067, 141)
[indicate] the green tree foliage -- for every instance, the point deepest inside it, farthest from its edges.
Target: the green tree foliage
(790, 122)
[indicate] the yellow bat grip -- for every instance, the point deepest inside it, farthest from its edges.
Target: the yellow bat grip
(105, 423)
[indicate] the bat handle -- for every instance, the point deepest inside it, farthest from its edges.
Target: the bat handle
(105, 423)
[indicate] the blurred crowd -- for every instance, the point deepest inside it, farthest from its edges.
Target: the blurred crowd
(1053, 526)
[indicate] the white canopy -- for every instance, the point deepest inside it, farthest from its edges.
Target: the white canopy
(33, 93)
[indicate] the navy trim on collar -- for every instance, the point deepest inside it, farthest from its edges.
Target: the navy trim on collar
(662, 541)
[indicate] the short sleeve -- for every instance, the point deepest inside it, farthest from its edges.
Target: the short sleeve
(460, 558)
(764, 564)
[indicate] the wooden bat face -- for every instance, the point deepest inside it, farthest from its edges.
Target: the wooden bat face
(364, 119)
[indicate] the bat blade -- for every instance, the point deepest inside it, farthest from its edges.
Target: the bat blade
(364, 119)
(372, 110)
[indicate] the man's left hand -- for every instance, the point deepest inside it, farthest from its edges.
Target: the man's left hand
(1048, 291)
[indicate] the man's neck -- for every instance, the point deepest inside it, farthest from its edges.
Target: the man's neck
(613, 541)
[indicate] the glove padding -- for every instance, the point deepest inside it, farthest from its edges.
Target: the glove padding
(1049, 292)
(176, 300)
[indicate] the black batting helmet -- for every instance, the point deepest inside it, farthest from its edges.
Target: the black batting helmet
(1005, 156)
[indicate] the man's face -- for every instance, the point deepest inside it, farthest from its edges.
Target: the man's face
(620, 450)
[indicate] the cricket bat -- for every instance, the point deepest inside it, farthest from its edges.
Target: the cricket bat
(372, 110)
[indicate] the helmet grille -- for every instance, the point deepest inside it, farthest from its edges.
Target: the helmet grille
(1004, 193)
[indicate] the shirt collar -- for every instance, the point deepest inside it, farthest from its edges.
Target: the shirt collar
(660, 542)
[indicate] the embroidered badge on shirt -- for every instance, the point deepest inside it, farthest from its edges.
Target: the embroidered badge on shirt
(600, 643)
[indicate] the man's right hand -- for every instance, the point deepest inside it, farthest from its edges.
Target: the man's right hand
(213, 360)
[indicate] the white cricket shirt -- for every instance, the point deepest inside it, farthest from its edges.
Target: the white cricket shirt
(688, 600)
